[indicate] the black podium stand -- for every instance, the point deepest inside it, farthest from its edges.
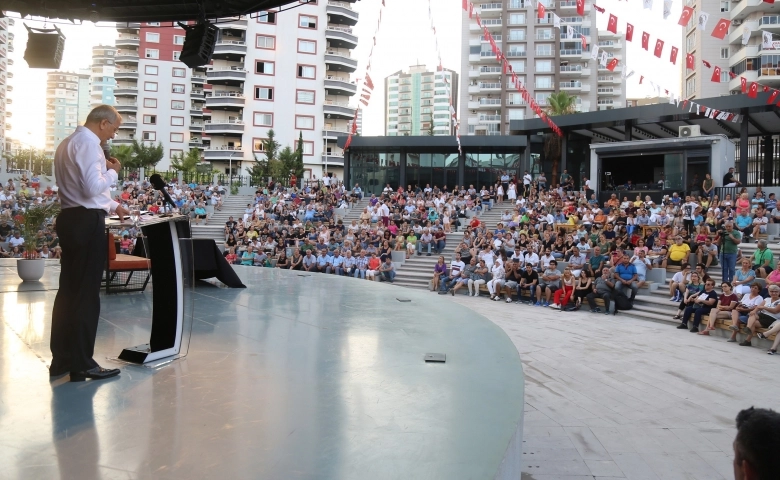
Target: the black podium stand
(169, 248)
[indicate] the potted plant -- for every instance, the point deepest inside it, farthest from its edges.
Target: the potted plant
(30, 266)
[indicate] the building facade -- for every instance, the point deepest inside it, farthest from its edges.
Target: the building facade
(546, 60)
(417, 102)
(66, 106)
(102, 82)
(753, 61)
(6, 47)
(697, 82)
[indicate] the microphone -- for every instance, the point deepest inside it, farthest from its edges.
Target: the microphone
(159, 185)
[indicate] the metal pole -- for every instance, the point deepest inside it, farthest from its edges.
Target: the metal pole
(230, 174)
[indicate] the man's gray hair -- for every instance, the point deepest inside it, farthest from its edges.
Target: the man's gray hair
(103, 112)
(762, 243)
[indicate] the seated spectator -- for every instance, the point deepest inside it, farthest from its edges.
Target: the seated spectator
(439, 274)
(707, 253)
(763, 315)
(387, 270)
(678, 253)
(529, 279)
(727, 302)
(701, 305)
(582, 288)
(478, 278)
(763, 261)
(549, 282)
(692, 290)
(564, 294)
(642, 265)
(744, 278)
(626, 277)
(248, 258)
(746, 306)
(373, 267)
(496, 283)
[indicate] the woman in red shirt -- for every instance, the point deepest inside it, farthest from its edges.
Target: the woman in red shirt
(726, 303)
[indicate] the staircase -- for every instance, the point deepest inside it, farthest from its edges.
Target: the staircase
(232, 205)
(418, 270)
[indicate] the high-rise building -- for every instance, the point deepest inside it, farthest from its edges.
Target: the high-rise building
(102, 83)
(85, 77)
(697, 83)
(67, 104)
(752, 61)
(359, 122)
(6, 47)
(418, 102)
(546, 60)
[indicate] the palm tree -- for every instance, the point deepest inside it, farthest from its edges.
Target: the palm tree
(559, 103)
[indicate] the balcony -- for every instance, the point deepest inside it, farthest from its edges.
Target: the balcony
(610, 79)
(340, 37)
(341, 13)
(226, 76)
(747, 51)
(520, 4)
(491, 103)
(339, 86)
(570, 6)
(571, 70)
(196, 144)
(335, 159)
(130, 123)
(736, 85)
(128, 27)
(121, 141)
(223, 153)
(571, 86)
(225, 101)
(490, 23)
(571, 53)
(485, 119)
(229, 49)
(126, 74)
(741, 10)
(125, 108)
(485, 87)
(735, 37)
(515, 54)
(196, 128)
(232, 23)
(769, 75)
(197, 95)
(489, 72)
(194, 112)
(198, 79)
(338, 110)
(334, 133)
(126, 58)
(339, 62)
(609, 91)
(610, 44)
(125, 42)
(488, 10)
(125, 92)
(224, 127)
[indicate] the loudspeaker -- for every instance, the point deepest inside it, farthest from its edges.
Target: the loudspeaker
(44, 48)
(199, 44)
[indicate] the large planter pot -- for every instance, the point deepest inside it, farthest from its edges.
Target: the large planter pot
(30, 270)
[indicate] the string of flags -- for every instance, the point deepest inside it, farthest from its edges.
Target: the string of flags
(454, 123)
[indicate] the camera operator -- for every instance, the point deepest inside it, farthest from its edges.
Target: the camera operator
(730, 239)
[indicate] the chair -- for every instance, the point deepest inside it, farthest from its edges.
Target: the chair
(120, 269)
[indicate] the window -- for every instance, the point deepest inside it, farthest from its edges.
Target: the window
(690, 86)
(690, 42)
(179, 72)
(544, 66)
(307, 46)
(149, 136)
(543, 82)
(150, 86)
(304, 96)
(724, 76)
(308, 147)
(178, 39)
(176, 88)
(724, 52)
(724, 6)
(177, 137)
(176, 56)
(544, 49)
(516, 34)
(150, 102)
(177, 104)
(307, 71)
(258, 145)
(152, 53)
(518, 65)
(177, 121)
(152, 37)
(267, 42)
(516, 113)
(541, 97)
(152, 24)
(150, 119)
(264, 93)
(262, 119)
(304, 122)
(544, 34)
(517, 19)
(307, 21)
(150, 69)
(264, 67)
(175, 153)
(266, 17)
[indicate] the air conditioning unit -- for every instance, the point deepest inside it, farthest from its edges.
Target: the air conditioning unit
(690, 131)
(737, 22)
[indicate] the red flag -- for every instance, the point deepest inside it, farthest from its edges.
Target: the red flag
(346, 144)
(769, 1)
(686, 16)
(540, 7)
(766, 89)
(673, 56)
(612, 64)
(659, 48)
(598, 9)
(753, 92)
(465, 4)
(629, 32)
(773, 96)
(584, 42)
(732, 75)
(690, 62)
(479, 21)
(580, 7)
(504, 64)
(722, 28)
(706, 63)
(471, 10)
(645, 40)
(641, 79)
(716, 75)
(612, 25)
(369, 83)
(744, 84)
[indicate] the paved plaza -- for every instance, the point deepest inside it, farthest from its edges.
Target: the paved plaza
(611, 397)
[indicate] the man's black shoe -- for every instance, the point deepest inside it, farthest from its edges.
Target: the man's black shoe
(97, 373)
(58, 372)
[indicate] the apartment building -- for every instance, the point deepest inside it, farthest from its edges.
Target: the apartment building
(67, 105)
(546, 59)
(6, 47)
(417, 102)
(753, 61)
(102, 81)
(697, 83)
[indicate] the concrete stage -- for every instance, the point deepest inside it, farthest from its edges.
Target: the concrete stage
(294, 377)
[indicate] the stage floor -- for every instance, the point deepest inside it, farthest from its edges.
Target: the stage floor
(293, 377)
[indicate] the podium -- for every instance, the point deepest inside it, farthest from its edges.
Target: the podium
(168, 245)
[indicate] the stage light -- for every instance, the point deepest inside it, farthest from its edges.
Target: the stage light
(44, 47)
(198, 44)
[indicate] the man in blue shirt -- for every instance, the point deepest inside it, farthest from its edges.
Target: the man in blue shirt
(336, 263)
(322, 261)
(626, 277)
(744, 223)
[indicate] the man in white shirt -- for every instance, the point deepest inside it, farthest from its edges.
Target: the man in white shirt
(84, 176)
(456, 267)
(530, 257)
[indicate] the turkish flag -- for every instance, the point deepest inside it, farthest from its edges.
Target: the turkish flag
(716, 75)
(584, 42)
(612, 25)
(659, 48)
(744, 84)
(465, 4)
(641, 79)
(673, 55)
(773, 97)
(690, 61)
(686, 16)
(753, 92)
(612, 64)
(645, 40)
(580, 7)
(722, 28)
(629, 32)
(769, 1)
(540, 12)
(706, 63)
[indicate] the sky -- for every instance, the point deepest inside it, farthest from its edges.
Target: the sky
(404, 39)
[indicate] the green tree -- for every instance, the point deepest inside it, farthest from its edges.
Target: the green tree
(285, 164)
(298, 168)
(430, 129)
(186, 163)
(123, 153)
(559, 103)
(265, 162)
(145, 156)
(30, 159)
